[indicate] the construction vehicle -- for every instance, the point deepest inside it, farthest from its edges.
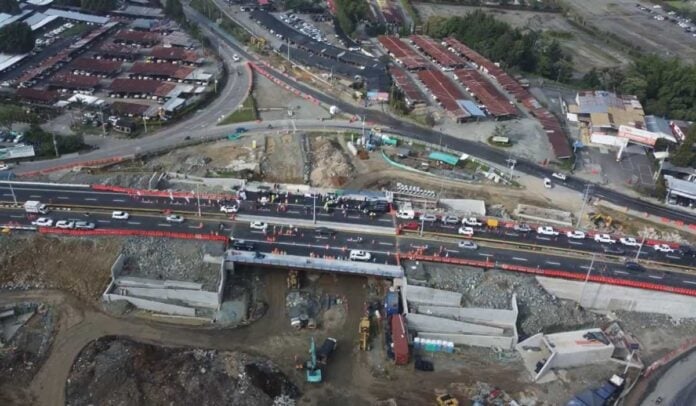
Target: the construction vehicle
(293, 279)
(447, 400)
(364, 331)
(601, 220)
(313, 370)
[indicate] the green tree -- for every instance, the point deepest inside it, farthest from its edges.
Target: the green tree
(16, 38)
(43, 142)
(9, 6)
(685, 155)
(174, 10)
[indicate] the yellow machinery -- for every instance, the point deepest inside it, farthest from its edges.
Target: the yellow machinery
(364, 331)
(447, 400)
(601, 220)
(293, 279)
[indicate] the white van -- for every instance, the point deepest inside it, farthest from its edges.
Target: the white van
(406, 214)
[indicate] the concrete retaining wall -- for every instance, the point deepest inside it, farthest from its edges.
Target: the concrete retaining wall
(492, 317)
(503, 342)
(425, 323)
(609, 297)
(133, 281)
(429, 296)
(221, 287)
(152, 305)
(117, 267)
(192, 297)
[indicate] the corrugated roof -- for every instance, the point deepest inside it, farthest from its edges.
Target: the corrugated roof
(471, 107)
(443, 157)
(72, 15)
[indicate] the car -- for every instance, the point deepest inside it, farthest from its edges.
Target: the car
(406, 214)
(229, 209)
(466, 244)
(241, 130)
(450, 219)
(243, 245)
(612, 249)
(559, 175)
(522, 228)
(85, 225)
(634, 266)
(427, 217)
(120, 215)
(359, 255)
(604, 239)
(43, 222)
(65, 224)
(235, 58)
(472, 221)
(468, 231)
(546, 230)
(258, 225)
(575, 235)
(663, 248)
(629, 241)
(4, 167)
(174, 218)
(547, 183)
(411, 225)
(324, 232)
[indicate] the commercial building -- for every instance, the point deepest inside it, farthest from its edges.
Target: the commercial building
(681, 191)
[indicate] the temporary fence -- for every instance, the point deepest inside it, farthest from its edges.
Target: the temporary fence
(554, 273)
(133, 233)
(160, 193)
(670, 356)
(94, 162)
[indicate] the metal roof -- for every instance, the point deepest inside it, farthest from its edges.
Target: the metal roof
(681, 187)
(72, 15)
(443, 157)
(471, 107)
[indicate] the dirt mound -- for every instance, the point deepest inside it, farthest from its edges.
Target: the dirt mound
(329, 163)
(77, 265)
(119, 371)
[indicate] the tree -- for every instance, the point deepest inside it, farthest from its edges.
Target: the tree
(174, 10)
(685, 155)
(592, 79)
(16, 38)
(9, 6)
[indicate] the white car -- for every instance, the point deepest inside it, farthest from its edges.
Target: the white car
(4, 167)
(561, 176)
(43, 222)
(546, 230)
(235, 58)
(85, 225)
(406, 214)
(629, 241)
(359, 255)
(65, 224)
(467, 231)
(258, 225)
(427, 217)
(174, 218)
(472, 221)
(120, 215)
(229, 209)
(663, 248)
(450, 219)
(604, 238)
(469, 245)
(575, 234)
(547, 183)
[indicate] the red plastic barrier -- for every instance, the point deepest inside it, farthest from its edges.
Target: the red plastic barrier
(133, 233)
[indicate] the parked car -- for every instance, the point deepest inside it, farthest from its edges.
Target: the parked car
(604, 239)
(546, 230)
(258, 225)
(229, 209)
(575, 235)
(634, 266)
(120, 215)
(65, 224)
(450, 219)
(406, 214)
(427, 217)
(663, 248)
(324, 232)
(85, 225)
(559, 175)
(469, 245)
(522, 228)
(174, 218)
(472, 222)
(243, 245)
(359, 255)
(43, 222)
(411, 225)
(467, 231)
(547, 183)
(629, 241)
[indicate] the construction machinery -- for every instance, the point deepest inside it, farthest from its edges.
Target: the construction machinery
(364, 331)
(293, 279)
(447, 400)
(313, 370)
(601, 220)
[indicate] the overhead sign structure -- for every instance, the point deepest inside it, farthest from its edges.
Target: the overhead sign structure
(642, 136)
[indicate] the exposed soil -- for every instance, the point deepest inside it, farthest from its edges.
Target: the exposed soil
(331, 167)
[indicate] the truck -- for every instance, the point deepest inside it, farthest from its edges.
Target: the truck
(35, 207)
(326, 349)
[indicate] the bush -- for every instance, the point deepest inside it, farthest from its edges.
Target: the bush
(43, 142)
(16, 38)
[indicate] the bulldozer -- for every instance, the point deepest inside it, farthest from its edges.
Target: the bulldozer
(364, 331)
(293, 279)
(447, 400)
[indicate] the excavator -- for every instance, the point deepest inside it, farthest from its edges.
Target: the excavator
(313, 370)
(364, 331)
(447, 400)
(293, 279)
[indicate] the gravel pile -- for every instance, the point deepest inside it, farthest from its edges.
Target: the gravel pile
(179, 260)
(539, 311)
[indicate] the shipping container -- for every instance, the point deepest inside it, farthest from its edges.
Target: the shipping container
(399, 339)
(391, 303)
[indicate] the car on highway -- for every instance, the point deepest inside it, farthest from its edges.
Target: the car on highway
(65, 224)
(575, 235)
(120, 215)
(466, 244)
(546, 230)
(450, 219)
(559, 175)
(411, 225)
(547, 183)
(467, 231)
(472, 222)
(174, 218)
(406, 214)
(258, 225)
(243, 245)
(524, 228)
(634, 266)
(235, 58)
(428, 217)
(359, 255)
(324, 232)
(663, 248)
(604, 239)
(629, 241)
(229, 209)
(85, 225)
(613, 249)
(43, 222)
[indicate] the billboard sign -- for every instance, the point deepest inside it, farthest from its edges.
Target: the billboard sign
(641, 136)
(23, 151)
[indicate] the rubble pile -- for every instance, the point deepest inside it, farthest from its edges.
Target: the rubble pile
(329, 163)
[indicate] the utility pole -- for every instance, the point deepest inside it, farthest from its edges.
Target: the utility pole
(198, 195)
(145, 123)
(14, 197)
(585, 198)
(314, 208)
(640, 247)
(55, 145)
(587, 277)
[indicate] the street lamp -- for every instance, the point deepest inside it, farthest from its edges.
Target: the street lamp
(587, 277)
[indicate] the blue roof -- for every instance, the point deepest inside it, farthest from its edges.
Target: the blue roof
(446, 158)
(471, 107)
(657, 124)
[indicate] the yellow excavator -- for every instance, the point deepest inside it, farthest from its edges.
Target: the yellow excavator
(601, 220)
(293, 279)
(447, 400)
(364, 331)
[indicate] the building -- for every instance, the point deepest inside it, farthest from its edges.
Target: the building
(37, 96)
(681, 191)
(604, 112)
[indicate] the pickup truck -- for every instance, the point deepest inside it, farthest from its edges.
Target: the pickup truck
(35, 207)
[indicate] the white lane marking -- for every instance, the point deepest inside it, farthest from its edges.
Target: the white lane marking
(673, 256)
(483, 254)
(452, 251)
(553, 263)
(119, 200)
(324, 214)
(585, 267)
(386, 220)
(103, 221)
(386, 243)
(17, 217)
(519, 259)
(690, 282)
(62, 198)
(621, 272)
(654, 277)
(353, 217)
(293, 211)
(91, 199)
(543, 238)
(34, 195)
(573, 242)
(7, 194)
(135, 222)
(198, 227)
(164, 225)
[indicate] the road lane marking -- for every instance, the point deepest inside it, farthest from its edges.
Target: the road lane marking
(585, 267)
(543, 238)
(654, 277)
(690, 282)
(103, 221)
(386, 220)
(293, 211)
(621, 272)
(91, 199)
(164, 225)
(673, 256)
(353, 217)
(35, 196)
(553, 263)
(17, 217)
(119, 200)
(483, 254)
(386, 243)
(519, 259)
(452, 251)
(134, 222)
(62, 198)
(572, 242)
(7, 194)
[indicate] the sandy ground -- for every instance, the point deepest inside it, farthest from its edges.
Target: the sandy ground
(274, 102)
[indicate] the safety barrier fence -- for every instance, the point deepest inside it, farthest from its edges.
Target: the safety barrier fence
(670, 356)
(554, 273)
(282, 84)
(94, 162)
(160, 193)
(133, 233)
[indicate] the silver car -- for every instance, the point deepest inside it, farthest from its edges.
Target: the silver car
(469, 245)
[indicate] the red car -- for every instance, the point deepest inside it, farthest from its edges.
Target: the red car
(411, 225)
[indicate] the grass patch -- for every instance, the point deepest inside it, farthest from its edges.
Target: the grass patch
(559, 34)
(406, 4)
(682, 5)
(210, 10)
(76, 29)
(245, 113)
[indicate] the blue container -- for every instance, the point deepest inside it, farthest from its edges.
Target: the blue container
(391, 303)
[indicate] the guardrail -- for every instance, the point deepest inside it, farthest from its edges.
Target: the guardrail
(554, 273)
(133, 233)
